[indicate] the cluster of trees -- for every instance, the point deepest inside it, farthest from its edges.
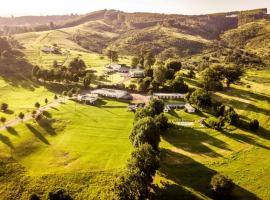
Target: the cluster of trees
(162, 76)
(149, 124)
(75, 72)
(213, 76)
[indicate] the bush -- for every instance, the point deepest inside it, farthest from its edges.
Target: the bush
(4, 107)
(254, 125)
(222, 186)
(59, 195)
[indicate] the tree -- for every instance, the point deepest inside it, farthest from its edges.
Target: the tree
(112, 55)
(200, 98)
(141, 113)
(149, 60)
(231, 116)
(87, 80)
(77, 65)
(132, 86)
(4, 107)
(55, 64)
(177, 85)
(46, 101)
(159, 74)
(175, 65)
(21, 116)
(156, 106)
(254, 125)
(134, 62)
(211, 77)
(64, 94)
(232, 73)
(34, 197)
(222, 186)
(59, 195)
(145, 159)
(35, 71)
(131, 185)
(3, 120)
(145, 131)
(161, 122)
(144, 84)
(37, 105)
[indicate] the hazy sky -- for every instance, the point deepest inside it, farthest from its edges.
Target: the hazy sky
(48, 7)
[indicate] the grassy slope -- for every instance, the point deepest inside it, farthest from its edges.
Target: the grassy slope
(21, 98)
(191, 156)
(83, 140)
(254, 37)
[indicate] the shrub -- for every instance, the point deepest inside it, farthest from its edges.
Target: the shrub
(222, 186)
(4, 107)
(254, 125)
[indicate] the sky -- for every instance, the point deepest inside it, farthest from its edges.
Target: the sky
(58, 7)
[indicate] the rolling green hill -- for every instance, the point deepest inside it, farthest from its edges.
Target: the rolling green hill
(253, 37)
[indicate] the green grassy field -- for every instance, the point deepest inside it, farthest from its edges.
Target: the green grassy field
(78, 139)
(21, 98)
(191, 156)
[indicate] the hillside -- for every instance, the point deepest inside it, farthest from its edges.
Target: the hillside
(253, 37)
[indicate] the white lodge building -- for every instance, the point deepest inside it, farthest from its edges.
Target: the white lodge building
(169, 95)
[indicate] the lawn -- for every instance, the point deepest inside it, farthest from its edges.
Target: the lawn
(22, 96)
(89, 141)
(191, 156)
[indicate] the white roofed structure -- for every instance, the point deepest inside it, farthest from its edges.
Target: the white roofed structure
(169, 95)
(112, 93)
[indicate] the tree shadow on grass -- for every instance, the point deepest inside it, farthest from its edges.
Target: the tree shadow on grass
(174, 114)
(37, 134)
(12, 131)
(47, 114)
(262, 132)
(243, 138)
(248, 95)
(9, 112)
(46, 124)
(6, 141)
(194, 141)
(186, 172)
(244, 105)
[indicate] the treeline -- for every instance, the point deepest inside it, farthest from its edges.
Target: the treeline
(136, 181)
(75, 72)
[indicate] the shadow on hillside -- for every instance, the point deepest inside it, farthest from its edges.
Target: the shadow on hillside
(248, 95)
(262, 132)
(12, 131)
(194, 141)
(46, 124)
(6, 141)
(37, 134)
(56, 87)
(186, 172)
(9, 112)
(47, 114)
(174, 114)
(244, 139)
